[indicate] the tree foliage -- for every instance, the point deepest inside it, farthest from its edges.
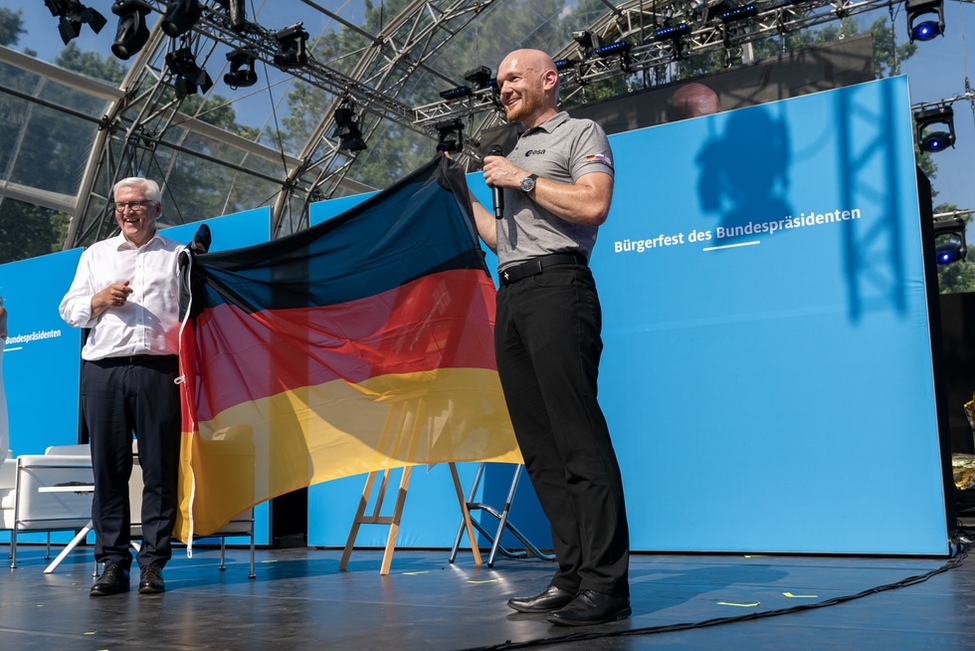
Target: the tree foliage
(11, 26)
(26, 230)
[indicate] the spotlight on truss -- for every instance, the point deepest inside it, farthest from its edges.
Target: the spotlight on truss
(480, 77)
(619, 47)
(291, 47)
(935, 128)
(347, 128)
(236, 12)
(586, 40)
(188, 76)
(73, 15)
(925, 19)
(180, 17)
(744, 12)
(565, 64)
(459, 92)
(132, 32)
(242, 73)
(450, 136)
(672, 32)
(952, 246)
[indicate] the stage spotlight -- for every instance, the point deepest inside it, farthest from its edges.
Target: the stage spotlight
(242, 72)
(712, 10)
(737, 14)
(291, 47)
(456, 93)
(672, 32)
(586, 40)
(953, 246)
(929, 137)
(236, 11)
(934, 19)
(619, 47)
(347, 128)
(479, 77)
(451, 136)
(132, 32)
(72, 15)
(188, 76)
(180, 17)
(564, 64)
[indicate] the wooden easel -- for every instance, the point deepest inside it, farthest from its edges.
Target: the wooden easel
(395, 422)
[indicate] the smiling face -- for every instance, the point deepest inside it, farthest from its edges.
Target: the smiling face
(529, 84)
(137, 222)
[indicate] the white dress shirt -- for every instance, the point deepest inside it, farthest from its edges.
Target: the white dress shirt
(148, 322)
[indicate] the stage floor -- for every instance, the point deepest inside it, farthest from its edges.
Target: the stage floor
(300, 600)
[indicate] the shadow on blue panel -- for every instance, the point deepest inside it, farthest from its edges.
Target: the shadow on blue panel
(743, 194)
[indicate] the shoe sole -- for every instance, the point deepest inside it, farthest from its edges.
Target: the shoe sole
(623, 614)
(107, 593)
(151, 590)
(538, 611)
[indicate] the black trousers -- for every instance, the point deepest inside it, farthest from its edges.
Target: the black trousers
(548, 345)
(121, 396)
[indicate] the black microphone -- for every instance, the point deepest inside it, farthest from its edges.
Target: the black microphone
(497, 193)
(201, 241)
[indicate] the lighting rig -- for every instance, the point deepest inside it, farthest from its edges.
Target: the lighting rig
(950, 244)
(925, 19)
(132, 32)
(72, 15)
(689, 30)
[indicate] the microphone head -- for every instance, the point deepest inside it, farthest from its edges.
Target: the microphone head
(496, 151)
(201, 241)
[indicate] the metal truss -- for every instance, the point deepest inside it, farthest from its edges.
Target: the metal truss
(388, 61)
(637, 24)
(144, 116)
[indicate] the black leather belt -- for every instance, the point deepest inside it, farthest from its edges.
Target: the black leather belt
(535, 266)
(146, 359)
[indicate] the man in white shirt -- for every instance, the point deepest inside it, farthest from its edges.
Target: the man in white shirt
(125, 292)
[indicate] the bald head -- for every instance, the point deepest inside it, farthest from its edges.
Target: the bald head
(529, 84)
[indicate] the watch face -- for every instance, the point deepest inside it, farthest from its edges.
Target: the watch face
(528, 184)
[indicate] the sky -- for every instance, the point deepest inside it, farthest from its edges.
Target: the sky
(937, 72)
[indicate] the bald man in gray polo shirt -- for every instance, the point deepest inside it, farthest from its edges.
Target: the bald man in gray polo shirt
(558, 185)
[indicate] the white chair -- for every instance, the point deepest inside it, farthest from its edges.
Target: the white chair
(50, 492)
(8, 481)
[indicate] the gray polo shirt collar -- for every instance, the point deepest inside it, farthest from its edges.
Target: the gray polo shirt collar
(550, 124)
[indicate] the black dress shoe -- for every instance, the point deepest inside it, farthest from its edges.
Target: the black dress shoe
(591, 607)
(114, 579)
(551, 599)
(151, 581)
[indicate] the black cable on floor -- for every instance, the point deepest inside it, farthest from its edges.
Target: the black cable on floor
(649, 630)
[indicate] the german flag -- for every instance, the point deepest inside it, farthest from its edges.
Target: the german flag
(360, 344)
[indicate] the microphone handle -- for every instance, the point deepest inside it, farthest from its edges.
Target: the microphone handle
(497, 193)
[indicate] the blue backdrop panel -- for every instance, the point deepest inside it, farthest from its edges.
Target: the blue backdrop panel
(767, 372)
(41, 365)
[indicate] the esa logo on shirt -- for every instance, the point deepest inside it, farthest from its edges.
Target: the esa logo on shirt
(534, 152)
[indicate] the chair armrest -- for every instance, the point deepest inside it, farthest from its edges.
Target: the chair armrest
(53, 461)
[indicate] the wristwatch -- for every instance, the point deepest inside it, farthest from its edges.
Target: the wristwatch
(528, 183)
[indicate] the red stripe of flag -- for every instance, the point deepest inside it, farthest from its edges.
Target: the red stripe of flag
(443, 320)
